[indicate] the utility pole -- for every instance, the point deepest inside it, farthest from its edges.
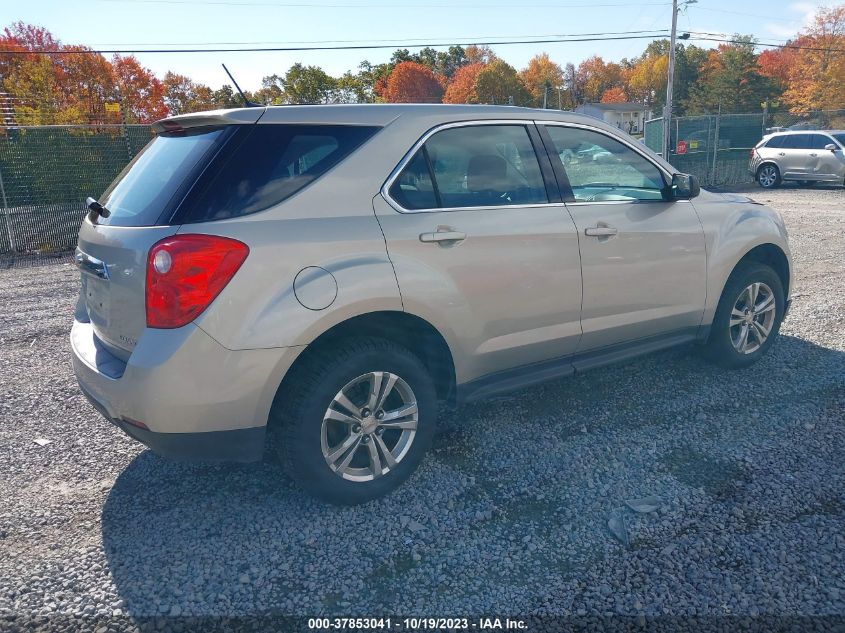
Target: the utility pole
(667, 110)
(670, 84)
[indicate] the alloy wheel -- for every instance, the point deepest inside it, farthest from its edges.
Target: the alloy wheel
(369, 426)
(768, 176)
(752, 318)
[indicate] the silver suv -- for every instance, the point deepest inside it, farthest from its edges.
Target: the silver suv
(802, 156)
(329, 273)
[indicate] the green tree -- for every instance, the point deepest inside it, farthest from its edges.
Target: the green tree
(272, 91)
(497, 82)
(307, 84)
(730, 78)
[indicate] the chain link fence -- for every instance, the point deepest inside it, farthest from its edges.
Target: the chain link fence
(47, 172)
(715, 147)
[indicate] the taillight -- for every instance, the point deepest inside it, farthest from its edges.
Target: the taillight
(751, 153)
(184, 275)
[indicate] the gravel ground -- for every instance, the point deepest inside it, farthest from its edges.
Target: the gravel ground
(508, 515)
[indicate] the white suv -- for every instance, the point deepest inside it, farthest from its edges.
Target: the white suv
(802, 156)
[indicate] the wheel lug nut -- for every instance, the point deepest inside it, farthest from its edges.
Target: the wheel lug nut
(365, 413)
(379, 431)
(356, 428)
(379, 414)
(366, 439)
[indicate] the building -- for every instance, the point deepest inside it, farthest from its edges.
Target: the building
(629, 117)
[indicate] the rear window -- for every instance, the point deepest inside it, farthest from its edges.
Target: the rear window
(146, 188)
(265, 164)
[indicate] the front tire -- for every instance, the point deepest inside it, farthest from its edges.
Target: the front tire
(768, 176)
(748, 317)
(355, 420)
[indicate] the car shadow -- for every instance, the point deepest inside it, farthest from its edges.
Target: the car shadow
(204, 539)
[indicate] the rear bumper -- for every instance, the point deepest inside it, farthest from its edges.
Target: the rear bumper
(194, 398)
(239, 445)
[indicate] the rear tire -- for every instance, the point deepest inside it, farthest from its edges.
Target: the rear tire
(314, 426)
(768, 176)
(748, 317)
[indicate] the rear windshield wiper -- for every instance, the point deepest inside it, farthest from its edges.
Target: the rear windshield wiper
(96, 208)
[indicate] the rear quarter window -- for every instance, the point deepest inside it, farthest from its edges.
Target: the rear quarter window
(775, 142)
(266, 164)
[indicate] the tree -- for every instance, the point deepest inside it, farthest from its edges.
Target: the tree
(307, 84)
(730, 79)
(86, 82)
(595, 76)
(461, 88)
(541, 75)
(479, 54)
(614, 95)
(141, 93)
(646, 81)
(776, 64)
(411, 82)
(817, 75)
(272, 91)
(497, 82)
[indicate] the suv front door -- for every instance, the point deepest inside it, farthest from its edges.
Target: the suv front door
(643, 259)
(482, 247)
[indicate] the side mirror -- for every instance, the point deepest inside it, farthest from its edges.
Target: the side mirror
(830, 147)
(684, 186)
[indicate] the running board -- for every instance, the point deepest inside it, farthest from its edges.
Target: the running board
(521, 377)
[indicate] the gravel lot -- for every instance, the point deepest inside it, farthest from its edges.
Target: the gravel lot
(508, 515)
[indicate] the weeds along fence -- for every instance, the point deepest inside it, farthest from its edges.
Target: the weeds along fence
(47, 171)
(715, 147)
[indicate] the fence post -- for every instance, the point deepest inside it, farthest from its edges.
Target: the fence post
(716, 147)
(8, 215)
(123, 130)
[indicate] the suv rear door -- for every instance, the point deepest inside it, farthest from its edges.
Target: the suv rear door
(794, 156)
(482, 246)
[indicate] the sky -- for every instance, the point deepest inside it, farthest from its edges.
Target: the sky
(197, 23)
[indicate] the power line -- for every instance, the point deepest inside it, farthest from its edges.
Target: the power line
(316, 5)
(397, 41)
(376, 46)
(275, 49)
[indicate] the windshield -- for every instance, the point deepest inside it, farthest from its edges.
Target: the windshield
(143, 191)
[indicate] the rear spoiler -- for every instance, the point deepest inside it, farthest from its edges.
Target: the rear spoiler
(240, 116)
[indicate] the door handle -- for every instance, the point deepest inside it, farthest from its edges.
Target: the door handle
(601, 231)
(781, 153)
(443, 236)
(813, 155)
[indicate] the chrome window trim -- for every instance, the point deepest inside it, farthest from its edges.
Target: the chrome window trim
(385, 188)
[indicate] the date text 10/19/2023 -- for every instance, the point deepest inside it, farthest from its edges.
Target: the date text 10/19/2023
(416, 624)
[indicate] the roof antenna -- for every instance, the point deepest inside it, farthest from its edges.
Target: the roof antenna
(247, 102)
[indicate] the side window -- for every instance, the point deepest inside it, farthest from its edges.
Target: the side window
(818, 141)
(775, 142)
(474, 166)
(601, 168)
(414, 188)
(796, 141)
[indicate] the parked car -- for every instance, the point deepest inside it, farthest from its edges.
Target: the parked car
(329, 273)
(805, 157)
